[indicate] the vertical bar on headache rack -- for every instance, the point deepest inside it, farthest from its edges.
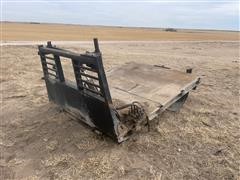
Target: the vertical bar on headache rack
(103, 80)
(78, 77)
(58, 64)
(95, 40)
(43, 61)
(59, 68)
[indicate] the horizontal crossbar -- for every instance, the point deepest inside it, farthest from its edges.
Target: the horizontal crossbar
(49, 63)
(68, 54)
(53, 75)
(96, 92)
(92, 84)
(87, 75)
(51, 58)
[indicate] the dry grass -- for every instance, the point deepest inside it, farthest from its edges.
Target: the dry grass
(200, 142)
(33, 32)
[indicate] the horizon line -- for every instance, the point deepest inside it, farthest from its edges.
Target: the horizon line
(117, 26)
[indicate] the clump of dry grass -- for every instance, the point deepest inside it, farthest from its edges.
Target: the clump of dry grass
(56, 159)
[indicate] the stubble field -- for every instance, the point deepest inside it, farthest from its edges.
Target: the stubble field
(38, 141)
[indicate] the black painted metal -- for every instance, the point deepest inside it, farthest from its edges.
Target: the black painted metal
(90, 96)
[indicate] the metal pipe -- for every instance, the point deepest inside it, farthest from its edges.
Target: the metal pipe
(95, 40)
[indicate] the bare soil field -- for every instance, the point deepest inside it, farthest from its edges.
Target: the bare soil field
(61, 32)
(202, 141)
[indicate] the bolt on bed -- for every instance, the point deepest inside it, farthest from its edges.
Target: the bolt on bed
(116, 103)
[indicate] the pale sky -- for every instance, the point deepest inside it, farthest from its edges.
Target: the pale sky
(207, 14)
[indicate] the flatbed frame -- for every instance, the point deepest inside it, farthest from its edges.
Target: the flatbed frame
(140, 92)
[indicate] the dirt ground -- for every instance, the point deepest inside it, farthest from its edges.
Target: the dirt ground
(202, 141)
(61, 32)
